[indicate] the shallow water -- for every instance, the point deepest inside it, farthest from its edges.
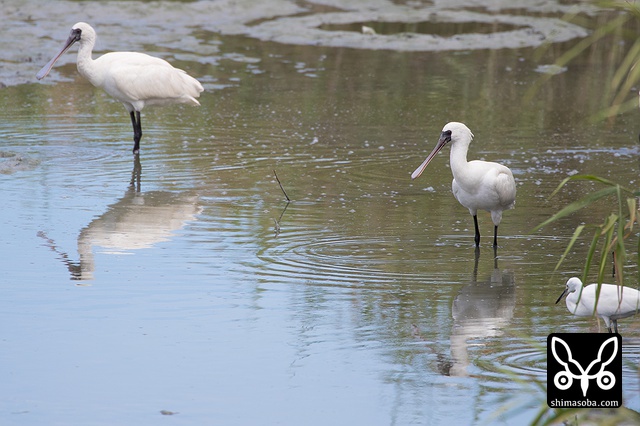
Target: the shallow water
(187, 283)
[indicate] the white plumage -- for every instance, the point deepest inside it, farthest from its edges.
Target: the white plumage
(135, 79)
(477, 185)
(614, 302)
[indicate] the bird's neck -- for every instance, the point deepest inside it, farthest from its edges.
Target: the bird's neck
(85, 64)
(458, 157)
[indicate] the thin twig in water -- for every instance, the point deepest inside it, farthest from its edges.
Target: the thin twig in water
(283, 191)
(277, 222)
(280, 218)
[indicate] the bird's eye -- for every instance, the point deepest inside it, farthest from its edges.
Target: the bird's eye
(77, 33)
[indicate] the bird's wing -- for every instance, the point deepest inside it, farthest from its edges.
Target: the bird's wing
(490, 185)
(505, 187)
(587, 301)
(630, 304)
(140, 77)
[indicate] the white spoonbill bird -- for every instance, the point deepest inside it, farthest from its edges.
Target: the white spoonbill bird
(477, 185)
(614, 302)
(135, 79)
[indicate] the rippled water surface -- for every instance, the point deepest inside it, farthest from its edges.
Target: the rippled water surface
(183, 284)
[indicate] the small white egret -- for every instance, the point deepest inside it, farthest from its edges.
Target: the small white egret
(614, 302)
(135, 79)
(477, 185)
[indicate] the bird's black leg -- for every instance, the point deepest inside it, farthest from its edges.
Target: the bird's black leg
(137, 130)
(615, 325)
(495, 236)
(475, 222)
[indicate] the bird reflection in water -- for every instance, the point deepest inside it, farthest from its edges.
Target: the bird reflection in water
(481, 309)
(139, 220)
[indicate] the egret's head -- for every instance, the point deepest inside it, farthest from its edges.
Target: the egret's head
(572, 285)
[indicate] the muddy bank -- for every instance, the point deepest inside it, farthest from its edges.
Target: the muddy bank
(33, 34)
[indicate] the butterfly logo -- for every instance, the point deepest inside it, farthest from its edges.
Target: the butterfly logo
(564, 379)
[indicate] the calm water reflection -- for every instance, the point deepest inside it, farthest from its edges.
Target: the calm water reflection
(481, 309)
(139, 220)
(363, 302)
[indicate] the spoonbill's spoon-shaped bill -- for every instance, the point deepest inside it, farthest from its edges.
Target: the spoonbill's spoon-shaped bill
(73, 37)
(135, 79)
(614, 301)
(442, 141)
(477, 185)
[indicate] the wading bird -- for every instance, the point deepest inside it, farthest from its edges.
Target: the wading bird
(477, 185)
(614, 302)
(135, 79)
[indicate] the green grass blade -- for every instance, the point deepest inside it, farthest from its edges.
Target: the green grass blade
(631, 205)
(575, 236)
(627, 64)
(592, 178)
(577, 205)
(590, 254)
(614, 110)
(608, 230)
